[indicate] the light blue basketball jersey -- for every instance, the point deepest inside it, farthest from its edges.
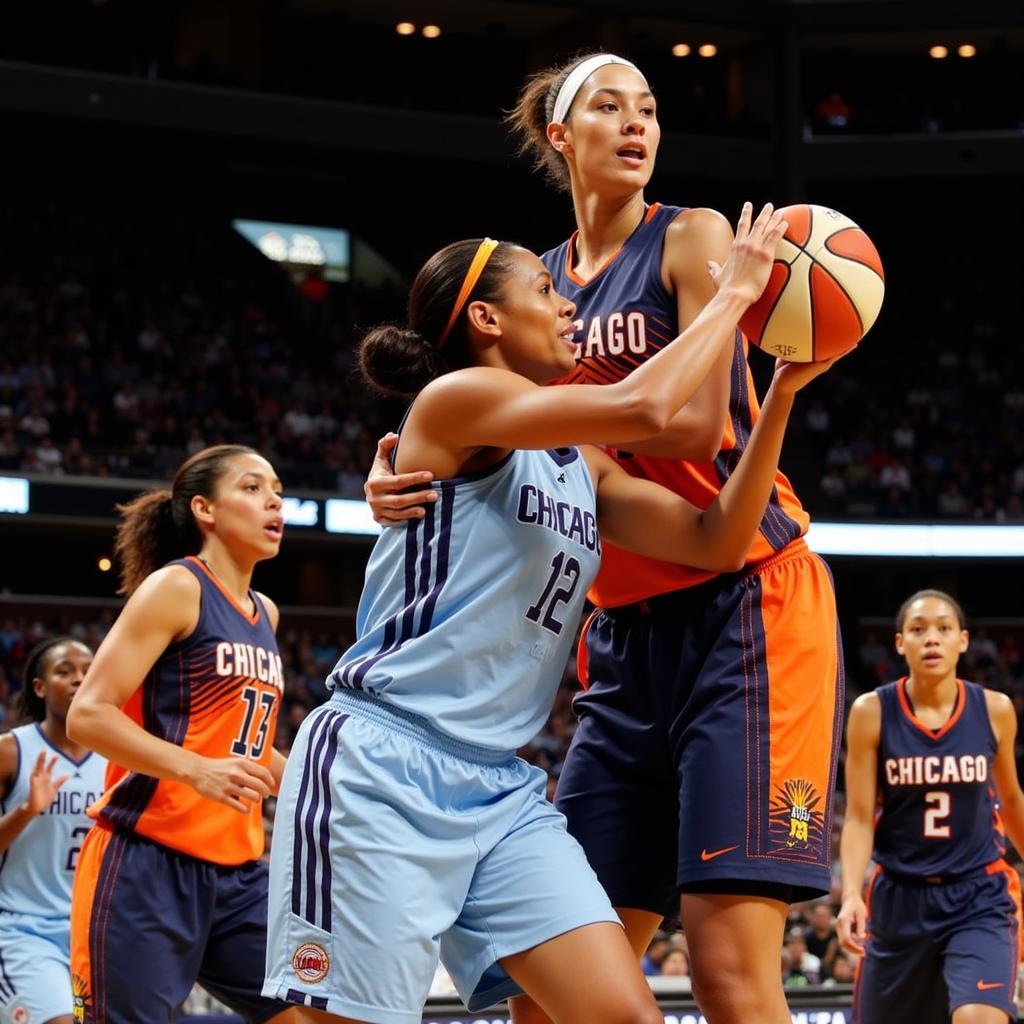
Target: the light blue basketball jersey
(37, 869)
(468, 615)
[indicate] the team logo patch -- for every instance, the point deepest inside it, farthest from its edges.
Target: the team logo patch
(796, 818)
(79, 999)
(311, 963)
(20, 1015)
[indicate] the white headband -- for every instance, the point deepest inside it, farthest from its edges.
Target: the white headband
(578, 75)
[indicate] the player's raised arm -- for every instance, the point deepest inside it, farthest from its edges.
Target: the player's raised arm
(644, 517)
(487, 331)
(857, 840)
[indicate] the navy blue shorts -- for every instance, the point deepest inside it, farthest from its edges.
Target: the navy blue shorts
(933, 948)
(706, 751)
(147, 923)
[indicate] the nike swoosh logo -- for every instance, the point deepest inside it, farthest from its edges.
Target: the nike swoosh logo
(705, 855)
(984, 986)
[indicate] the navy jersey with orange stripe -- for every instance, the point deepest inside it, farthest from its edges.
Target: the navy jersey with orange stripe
(624, 315)
(938, 812)
(216, 692)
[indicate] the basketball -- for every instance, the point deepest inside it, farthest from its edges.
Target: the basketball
(825, 289)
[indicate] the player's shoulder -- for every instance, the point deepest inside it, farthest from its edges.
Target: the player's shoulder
(692, 238)
(699, 224)
(273, 612)
(865, 718)
(999, 704)
(10, 756)
(171, 596)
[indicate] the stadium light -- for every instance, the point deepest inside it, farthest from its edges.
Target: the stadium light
(938, 52)
(967, 50)
(707, 50)
(681, 50)
(405, 28)
(431, 31)
(920, 540)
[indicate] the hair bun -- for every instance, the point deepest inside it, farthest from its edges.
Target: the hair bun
(398, 360)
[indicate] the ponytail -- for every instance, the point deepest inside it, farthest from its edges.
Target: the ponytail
(533, 112)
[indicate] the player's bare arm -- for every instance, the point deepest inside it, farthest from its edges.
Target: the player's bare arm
(164, 608)
(43, 787)
(863, 732)
(695, 238)
(644, 517)
(1003, 717)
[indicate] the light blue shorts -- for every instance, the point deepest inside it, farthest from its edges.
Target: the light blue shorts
(35, 968)
(394, 845)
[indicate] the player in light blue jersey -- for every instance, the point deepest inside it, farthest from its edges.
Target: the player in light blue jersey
(406, 827)
(47, 781)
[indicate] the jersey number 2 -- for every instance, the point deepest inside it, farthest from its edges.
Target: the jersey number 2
(934, 814)
(564, 568)
(253, 698)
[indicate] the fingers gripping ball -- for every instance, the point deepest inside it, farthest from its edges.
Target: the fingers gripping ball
(824, 292)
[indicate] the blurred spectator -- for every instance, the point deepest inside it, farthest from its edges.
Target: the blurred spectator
(802, 967)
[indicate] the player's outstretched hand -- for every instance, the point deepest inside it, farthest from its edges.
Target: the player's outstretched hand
(235, 781)
(851, 925)
(791, 377)
(383, 489)
(749, 265)
(42, 786)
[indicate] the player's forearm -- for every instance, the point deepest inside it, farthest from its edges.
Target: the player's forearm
(12, 824)
(695, 432)
(670, 379)
(732, 519)
(106, 729)
(1011, 812)
(855, 846)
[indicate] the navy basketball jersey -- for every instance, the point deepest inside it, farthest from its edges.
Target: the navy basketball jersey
(624, 315)
(938, 811)
(467, 616)
(37, 868)
(216, 692)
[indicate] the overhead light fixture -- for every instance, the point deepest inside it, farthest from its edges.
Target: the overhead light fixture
(104, 564)
(938, 52)
(708, 50)
(405, 28)
(431, 31)
(681, 50)
(967, 50)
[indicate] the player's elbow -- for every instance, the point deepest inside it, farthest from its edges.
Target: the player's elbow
(642, 416)
(706, 445)
(80, 722)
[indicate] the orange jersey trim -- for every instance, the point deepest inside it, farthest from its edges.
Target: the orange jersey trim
(932, 734)
(570, 252)
(252, 618)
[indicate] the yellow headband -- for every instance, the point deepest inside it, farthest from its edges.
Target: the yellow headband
(476, 268)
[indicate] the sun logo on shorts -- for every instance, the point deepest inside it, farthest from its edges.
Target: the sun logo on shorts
(79, 999)
(311, 963)
(795, 817)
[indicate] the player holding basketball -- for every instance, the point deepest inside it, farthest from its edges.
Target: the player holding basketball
(406, 825)
(182, 698)
(47, 781)
(940, 926)
(705, 757)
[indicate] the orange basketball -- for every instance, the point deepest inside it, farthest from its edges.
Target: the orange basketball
(825, 289)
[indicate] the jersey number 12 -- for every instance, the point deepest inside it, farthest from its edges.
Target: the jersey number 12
(564, 569)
